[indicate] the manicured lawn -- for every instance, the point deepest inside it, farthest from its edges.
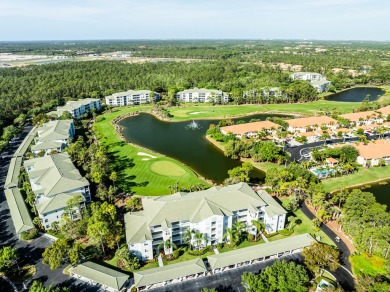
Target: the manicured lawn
(167, 168)
(134, 171)
(368, 265)
(243, 244)
(305, 227)
(184, 256)
(362, 176)
(114, 262)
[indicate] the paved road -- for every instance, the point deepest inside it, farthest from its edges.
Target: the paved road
(344, 277)
(30, 253)
(227, 281)
(296, 151)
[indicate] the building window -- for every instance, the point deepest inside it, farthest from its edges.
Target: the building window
(46, 220)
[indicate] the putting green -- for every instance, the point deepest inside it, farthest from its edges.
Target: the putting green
(167, 168)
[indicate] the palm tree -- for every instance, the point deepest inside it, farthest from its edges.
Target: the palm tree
(231, 236)
(166, 245)
(260, 227)
(188, 234)
(240, 227)
(198, 237)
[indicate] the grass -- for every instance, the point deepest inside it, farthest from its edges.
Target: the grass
(245, 243)
(134, 175)
(25, 273)
(361, 177)
(114, 263)
(365, 264)
(167, 168)
(305, 227)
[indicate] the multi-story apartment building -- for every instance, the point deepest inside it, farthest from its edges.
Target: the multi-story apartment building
(132, 97)
(210, 212)
(54, 180)
(202, 95)
(78, 108)
(311, 123)
(53, 135)
(317, 80)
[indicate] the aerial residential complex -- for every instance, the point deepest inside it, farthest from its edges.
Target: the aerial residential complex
(371, 153)
(54, 180)
(78, 108)
(210, 212)
(316, 80)
(132, 97)
(54, 135)
(251, 129)
(202, 95)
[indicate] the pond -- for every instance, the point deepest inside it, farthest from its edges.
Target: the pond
(184, 143)
(357, 94)
(381, 192)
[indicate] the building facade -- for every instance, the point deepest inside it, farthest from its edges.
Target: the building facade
(54, 135)
(132, 97)
(77, 108)
(210, 213)
(317, 80)
(54, 181)
(202, 95)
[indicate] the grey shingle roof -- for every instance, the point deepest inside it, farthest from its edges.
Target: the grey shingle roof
(129, 92)
(56, 174)
(55, 203)
(12, 178)
(170, 272)
(54, 130)
(101, 274)
(259, 251)
(75, 104)
(18, 209)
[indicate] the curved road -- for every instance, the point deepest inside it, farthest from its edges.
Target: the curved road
(343, 276)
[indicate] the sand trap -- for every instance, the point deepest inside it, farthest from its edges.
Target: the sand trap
(196, 113)
(145, 154)
(145, 159)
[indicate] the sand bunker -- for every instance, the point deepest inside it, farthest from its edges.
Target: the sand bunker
(146, 154)
(196, 113)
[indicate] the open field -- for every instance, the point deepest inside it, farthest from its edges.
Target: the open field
(362, 177)
(134, 172)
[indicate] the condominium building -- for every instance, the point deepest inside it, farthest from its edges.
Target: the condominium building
(132, 97)
(78, 108)
(209, 212)
(54, 180)
(317, 80)
(310, 123)
(202, 95)
(251, 129)
(364, 118)
(54, 135)
(370, 154)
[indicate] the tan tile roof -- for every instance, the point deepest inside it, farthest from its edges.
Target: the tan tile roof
(311, 121)
(374, 150)
(343, 130)
(332, 160)
(355, 117)
(385, 110)
(243, 129)
(307, 134)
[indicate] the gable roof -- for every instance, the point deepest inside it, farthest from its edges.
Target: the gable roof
(200, 90)
(75, 104)
(18, 209)
(259, 251)
(170, 272)
(355, 117)
(57, 202)
(55, 173)
(12, 179)
(129, 92)
(242, 129)
(310, 121)
(374, 150)
(54, 130)
(23, 147)
(101, 274)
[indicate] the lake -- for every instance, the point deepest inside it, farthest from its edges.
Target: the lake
(176, 140)
(357, 94)
(381, 192)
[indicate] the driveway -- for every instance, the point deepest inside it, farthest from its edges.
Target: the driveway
(29, 253)
(226, 281)
(343, 275)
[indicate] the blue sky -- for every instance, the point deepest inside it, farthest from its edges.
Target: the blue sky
(194, 19)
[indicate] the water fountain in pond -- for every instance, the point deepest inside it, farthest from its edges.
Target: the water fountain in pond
(193, 126)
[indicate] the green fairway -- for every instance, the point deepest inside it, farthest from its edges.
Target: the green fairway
(134, 167)
(361, 177)
(167, 168)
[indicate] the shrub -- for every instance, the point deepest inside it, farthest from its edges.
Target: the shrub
(268, 235)
(200, 252)
(30, 234)
(220, 246)
(250, 237)
(286, 232)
